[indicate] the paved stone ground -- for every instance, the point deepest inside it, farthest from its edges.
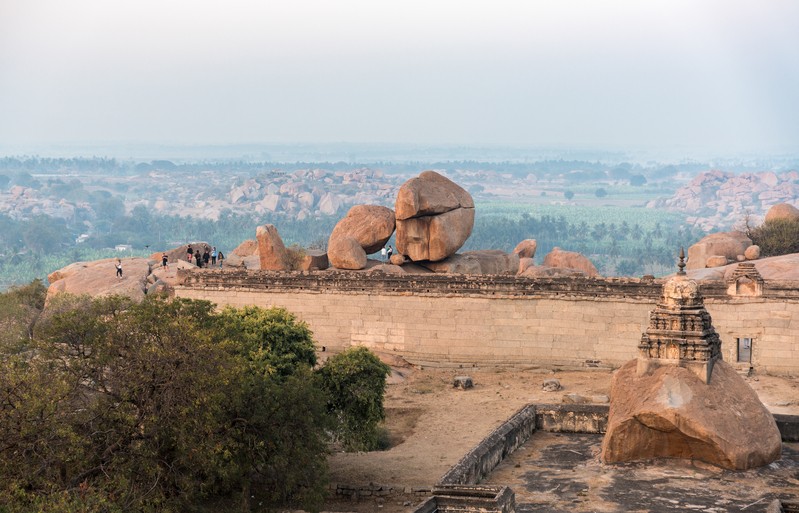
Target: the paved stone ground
(561, 473)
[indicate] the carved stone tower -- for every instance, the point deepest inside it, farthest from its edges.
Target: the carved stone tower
(680, 331)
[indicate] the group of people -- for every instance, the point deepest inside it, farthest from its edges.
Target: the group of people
(208, 257)
(201, 258)
(386, 253)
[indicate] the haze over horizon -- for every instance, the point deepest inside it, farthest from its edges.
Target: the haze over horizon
(715, 76)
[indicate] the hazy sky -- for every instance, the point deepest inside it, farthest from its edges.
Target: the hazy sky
(721, 75)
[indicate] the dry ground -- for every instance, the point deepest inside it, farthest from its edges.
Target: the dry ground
(431, 424)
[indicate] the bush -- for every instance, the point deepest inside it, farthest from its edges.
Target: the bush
(356, 382)
(777, 237)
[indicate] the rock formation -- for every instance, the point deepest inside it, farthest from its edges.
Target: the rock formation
(434, 216)
(526, 248)
(98, 278)
(346, 253)
(371, 226)
(271, 250)
(782, 211)
(570, 260)
(314, 260)
(678, 399)
(726, 244)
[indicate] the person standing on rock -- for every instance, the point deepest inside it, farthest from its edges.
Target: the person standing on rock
(119, 268)
(383, 253)
(220, 256)
(189, 253)
(213, 256)
(206, 257)
(389, 252)
(165, 261)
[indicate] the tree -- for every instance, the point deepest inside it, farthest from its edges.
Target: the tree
(568, 194)
(600, 193)
(356, 380)
(156, 405)
(637, 180)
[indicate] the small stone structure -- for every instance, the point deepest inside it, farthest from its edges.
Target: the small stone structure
(679, 399)
(680, 330)
(469, 499)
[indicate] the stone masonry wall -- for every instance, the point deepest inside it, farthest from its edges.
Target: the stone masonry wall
(493, 320)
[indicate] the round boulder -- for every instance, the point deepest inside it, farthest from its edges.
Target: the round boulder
(370, 225)
(782, 211)
(526, 248)
(716, 261)
(727, 244)
(346, 253)
(752, 252)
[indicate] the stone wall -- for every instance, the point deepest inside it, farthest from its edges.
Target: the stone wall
(500, 320)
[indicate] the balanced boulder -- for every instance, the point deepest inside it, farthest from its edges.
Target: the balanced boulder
(434, 216)
(370, 225)
(526, 248)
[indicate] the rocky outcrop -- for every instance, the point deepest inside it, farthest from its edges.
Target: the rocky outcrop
(98, 278)
(671, 413)
(434, 216)
(778, 268)
(782, 211)
(570, 260)
(370, 225)
(541, 271)
(271, 250)
(726, 244)
(526, 248)
(476, 262)
(178, 253)
(524, 264)
(346, 253)
(455, 264)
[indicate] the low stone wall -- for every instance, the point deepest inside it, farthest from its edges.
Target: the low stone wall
(372, 490)
(572, 418)
(469, 499)
(481, 460)
(461, 320)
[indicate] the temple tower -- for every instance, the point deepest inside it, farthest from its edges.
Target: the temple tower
(680, 331)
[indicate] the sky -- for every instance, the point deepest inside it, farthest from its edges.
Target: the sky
(721, 75)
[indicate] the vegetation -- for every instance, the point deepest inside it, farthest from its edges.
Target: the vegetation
(776, 237)
(108, 405)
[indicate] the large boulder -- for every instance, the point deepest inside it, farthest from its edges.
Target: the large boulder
(178, 253)
(526, 248)
(370, 225)
(570, 260)
(314, 260)
(346, 253)
(671, 413)
(455, 264)
(494, 261)
(782, 211)
(434, 216)
(98, 278)
(271, 250)
(728, 244)
(247, 248)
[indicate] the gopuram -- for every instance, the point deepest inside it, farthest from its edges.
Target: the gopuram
(679, 399)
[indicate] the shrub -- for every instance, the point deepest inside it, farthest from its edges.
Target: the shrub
(776, 237)
(356, 382)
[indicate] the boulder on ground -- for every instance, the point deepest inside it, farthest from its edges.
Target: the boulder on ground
(370, 225)
(542, 271)
(178, 253)
(782, 211)
(346, 253)
(716, 261)
(271, 250)
(526, 248)
(434, 216)
(397, 259)
(494, 261)
(671, 413)
(314, 260)
(752, 252)
(456, 264)
(570, 260)
(99, 278)
(728, 244)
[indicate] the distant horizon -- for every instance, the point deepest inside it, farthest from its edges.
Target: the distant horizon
(705, 78)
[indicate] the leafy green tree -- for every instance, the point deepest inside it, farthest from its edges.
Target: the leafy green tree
(600, 193)
(568, 194)
(356, 380)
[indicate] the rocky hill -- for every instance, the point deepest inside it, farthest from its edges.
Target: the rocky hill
(718, 200)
